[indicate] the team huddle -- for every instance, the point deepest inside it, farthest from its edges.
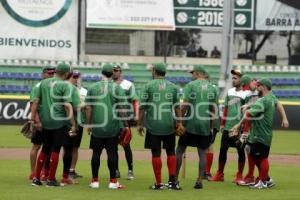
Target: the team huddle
(61, 109)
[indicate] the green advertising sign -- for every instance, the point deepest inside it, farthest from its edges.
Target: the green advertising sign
(209, 14)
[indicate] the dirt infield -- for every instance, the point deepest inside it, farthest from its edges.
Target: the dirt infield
(23, 154)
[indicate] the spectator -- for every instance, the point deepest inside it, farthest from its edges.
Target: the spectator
(215, 53)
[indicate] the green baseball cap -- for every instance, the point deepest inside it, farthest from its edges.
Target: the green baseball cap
(198, 68)
(265, 82)
(245, 80)
(107, 68)
(48, 69)
(160, 67)
(63, 68)
(237, 72)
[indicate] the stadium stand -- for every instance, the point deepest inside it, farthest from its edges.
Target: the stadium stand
(20, 78)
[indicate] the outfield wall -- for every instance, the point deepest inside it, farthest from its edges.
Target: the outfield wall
(16, 110)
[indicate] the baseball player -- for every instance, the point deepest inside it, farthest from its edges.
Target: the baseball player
(129, 89)
(251, 85)
(102, 101)
(80, 118)
(259, 140)
(157, 103)
(231, 116)
(37, 138)
(216, 128)
(56, 100)
(199, 107)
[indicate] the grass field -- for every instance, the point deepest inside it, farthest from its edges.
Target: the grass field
(284, 142)
(14, 184)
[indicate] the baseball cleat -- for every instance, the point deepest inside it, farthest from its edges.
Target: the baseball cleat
(198, 185)
(116, 186)
(174, 186)
(36, 182)
(218, 177)
(160, 186)
(130, 175)
(259, 185)
(94, 184)
(246, 181)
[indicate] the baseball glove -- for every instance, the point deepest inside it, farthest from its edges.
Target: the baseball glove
(180, 130)
(125, 137)
(28, 129)
(241, 142)
(234, 131)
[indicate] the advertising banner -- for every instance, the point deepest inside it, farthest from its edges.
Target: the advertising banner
(131, 14)
(278, 15)
(39, 30)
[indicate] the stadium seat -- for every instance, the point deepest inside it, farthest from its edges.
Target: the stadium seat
(125, 66)
(87, 78)
(276, 93)
(27, 76)
(270, 68)
(181, 79)
(277, 69)
(285, 69)
(36, 76)
(293, 69)
(13, 75)
(245, 68)
(290, 82)
(254, 68)
(262, 68)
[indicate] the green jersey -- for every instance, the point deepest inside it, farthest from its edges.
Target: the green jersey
(262, 114)
(103, 97)
(34, 91)
(157, 99)
(233, 102)
(201, 95)
(53, 93)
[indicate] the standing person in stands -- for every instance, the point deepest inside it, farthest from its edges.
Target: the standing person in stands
(56, 102)
(129, 89)
(37, 137)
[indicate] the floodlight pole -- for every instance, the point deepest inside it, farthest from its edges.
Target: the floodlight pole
(81, 30)
(227, 47)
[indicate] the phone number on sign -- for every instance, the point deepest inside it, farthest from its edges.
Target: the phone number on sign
(146, 19)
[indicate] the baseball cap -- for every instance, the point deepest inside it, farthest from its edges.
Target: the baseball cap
(198, 68)
(245, 80)
(117, 67)
(160, 67)
(237, 72)
(107, 68)
(63, 68)
(48, 69)
(76, 74)
(265, 82)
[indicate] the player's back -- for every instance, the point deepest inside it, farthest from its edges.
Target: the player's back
(157, 98)
(103, 97)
